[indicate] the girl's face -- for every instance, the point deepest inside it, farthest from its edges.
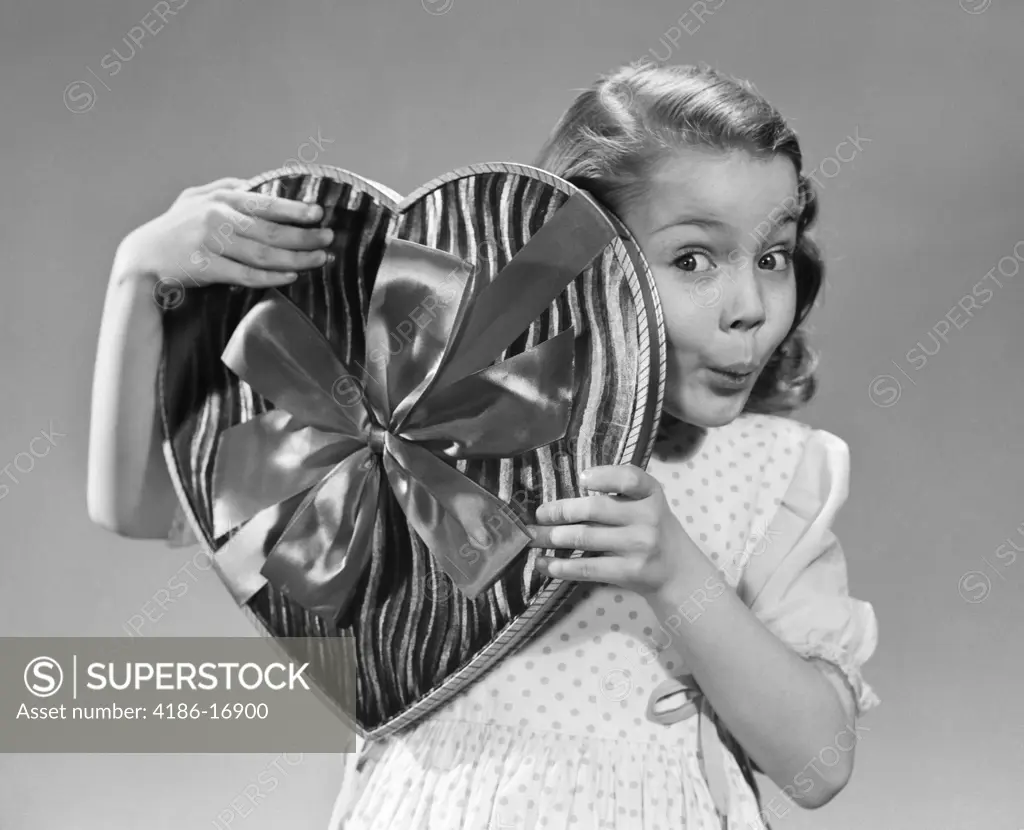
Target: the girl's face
(718, 230)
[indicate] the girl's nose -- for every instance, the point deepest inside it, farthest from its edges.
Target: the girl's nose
(743, 307)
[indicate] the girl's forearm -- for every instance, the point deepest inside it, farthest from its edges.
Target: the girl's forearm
(129, 490)
(780, 707)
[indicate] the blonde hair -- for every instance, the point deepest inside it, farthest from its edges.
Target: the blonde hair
(614, 132)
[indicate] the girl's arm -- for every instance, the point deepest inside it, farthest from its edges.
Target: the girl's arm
(129, 489)
(780, 707)
(214, 233)
(783, 709)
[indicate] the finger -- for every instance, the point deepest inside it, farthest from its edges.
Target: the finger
(289, 237)
(268, 258)
(221, 269)
(602, 509)
(227, 240)
(272, 208)
(608, 569)
(625, 479)
(230, 182)
(597, 538)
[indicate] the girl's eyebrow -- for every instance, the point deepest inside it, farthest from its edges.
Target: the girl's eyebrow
(791, 216)
(699, 221)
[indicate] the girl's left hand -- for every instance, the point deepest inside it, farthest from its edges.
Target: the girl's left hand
(646, 549)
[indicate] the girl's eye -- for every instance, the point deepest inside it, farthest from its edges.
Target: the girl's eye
(693, 261)
(775, 261)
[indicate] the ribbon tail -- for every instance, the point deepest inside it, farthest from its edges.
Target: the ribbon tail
(509, 408)
(323, 553)
(420, 296)
(240, 560)
(713, 758)
(472, 534)
(541, 270)
(688, 700)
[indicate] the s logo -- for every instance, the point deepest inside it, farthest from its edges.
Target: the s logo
(43, 676)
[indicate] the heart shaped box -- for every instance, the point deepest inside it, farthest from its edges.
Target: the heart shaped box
(417, 638)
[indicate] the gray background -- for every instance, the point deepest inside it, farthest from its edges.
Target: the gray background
(234, 87)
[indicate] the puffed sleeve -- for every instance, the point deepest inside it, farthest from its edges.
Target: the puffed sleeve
(797, 585)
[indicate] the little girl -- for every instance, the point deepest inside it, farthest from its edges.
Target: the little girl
(716, 636)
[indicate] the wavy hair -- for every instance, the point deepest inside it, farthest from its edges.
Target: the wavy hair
(615, 131)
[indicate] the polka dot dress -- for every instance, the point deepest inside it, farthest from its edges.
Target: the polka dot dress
(558, 736)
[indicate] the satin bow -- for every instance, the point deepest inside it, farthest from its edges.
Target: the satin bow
(304, 479)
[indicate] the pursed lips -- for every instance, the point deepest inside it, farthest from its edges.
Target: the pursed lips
(736, 361)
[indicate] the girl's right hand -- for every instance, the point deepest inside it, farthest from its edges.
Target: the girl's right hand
(223, 233)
